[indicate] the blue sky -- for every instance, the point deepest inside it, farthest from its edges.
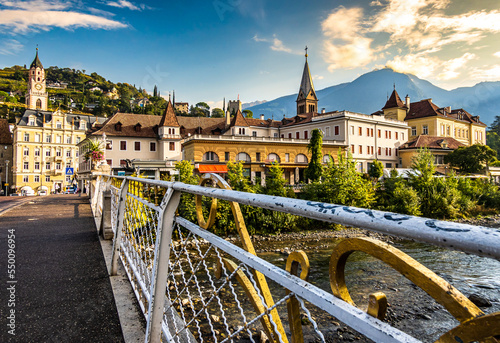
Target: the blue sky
(210, 49)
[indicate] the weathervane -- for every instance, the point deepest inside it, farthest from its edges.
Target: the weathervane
(306, 51)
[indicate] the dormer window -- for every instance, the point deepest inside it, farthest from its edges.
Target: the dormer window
(118, 126)
(137, 127)
(83, 124)
(31, 121)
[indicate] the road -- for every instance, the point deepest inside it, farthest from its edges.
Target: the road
(8, 202)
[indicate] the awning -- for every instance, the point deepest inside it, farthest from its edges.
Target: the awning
(212, 168)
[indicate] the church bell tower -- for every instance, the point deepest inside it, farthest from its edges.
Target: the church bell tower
(307, 101)
(37, 96)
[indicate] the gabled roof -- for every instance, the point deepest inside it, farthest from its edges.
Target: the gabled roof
(239, 120)
(263, 123)
(5, 134)
(191, 125)
(432, 142)
(306, 85)
(394, 101)
(71, 118)
(36, 62)
(169, 118)
(128, 121)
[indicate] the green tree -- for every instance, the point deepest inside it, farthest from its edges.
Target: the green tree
(217, 113)
(275, 182)
(314, 169)
(471, 159)
(247, 113)
(376, 170)
(187, 208)
(237, 180)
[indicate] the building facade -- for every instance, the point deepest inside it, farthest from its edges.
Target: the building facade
(6, 156)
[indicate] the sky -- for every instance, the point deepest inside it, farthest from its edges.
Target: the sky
(210, 49)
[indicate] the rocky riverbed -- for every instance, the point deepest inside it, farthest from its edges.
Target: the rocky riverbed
(410, 309)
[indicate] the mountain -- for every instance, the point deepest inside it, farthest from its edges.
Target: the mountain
(368, 93)
(246, 105)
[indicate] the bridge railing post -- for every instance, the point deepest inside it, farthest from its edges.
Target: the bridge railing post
(160, 267)
(119, 227)
(105, 224)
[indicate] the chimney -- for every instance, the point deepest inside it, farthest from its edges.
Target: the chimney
(448, 109)
(407, 101)
(262, 117)
(323, 110)
(228, 118)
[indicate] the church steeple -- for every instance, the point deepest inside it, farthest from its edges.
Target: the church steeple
(37, 96)
(306, 99)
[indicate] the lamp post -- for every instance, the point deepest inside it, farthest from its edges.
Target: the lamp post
(7, 177)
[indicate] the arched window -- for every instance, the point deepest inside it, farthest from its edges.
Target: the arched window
(243, 157)
(211, 156)
(301, 158)
(38, 104)
(327, 158)
(273, 158)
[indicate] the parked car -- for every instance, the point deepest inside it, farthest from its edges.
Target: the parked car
(42, 192)
(14, 194)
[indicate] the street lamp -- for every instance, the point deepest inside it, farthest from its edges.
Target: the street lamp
(7, 177)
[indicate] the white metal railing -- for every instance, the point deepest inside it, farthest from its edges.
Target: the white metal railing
(195, 286)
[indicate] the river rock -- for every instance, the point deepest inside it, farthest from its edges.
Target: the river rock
(263, 337)
(479, 300)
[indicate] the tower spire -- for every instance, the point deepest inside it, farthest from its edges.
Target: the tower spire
(306, 52)
(306, 99)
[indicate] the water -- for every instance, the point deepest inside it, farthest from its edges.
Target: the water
(411, 309)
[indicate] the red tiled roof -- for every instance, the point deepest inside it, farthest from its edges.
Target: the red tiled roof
(169, 118)
(394, 101)
(432, 142)
(263, 123)
(148, 125)
(192, 125)
(5, 134)
(239, 120)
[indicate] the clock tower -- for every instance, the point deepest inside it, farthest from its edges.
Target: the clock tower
(37, 96)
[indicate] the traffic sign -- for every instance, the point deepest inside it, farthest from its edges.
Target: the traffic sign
(69, 171)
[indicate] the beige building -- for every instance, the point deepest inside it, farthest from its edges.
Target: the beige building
(44, 142)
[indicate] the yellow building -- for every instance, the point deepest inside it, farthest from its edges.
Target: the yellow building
(44, 142)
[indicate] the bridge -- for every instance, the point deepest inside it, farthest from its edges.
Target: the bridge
(194, 286)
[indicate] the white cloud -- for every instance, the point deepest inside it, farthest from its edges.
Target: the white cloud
(275, 44)
(127, 4)
(422, 66)
(488, 73)
(22, 21)
(37, 5)
(10, 47)
(344, 45)
(317, 77)
(451, 67)
(497, 54)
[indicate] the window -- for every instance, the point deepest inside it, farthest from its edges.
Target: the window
(36, 178)
(68, 140)
(210, 156)
(301, 158)
(386, 134)
(257, 156)
(226, 155)
(352, 149)
(48, 139)
(58, 152)
(448, 130)
(306, 134)
(360, 149)
(273, 157)
(390, 134)
(390, 151)
(37, 137)
(327, 159)
(297, 135)
(47, 165)
(123, 163)
(276, 135)
(109, 162)
(26, 137)
(58, 139)
(26, 178)
(83, 124)
(368, 132)
(47, 178)
(31, 121)
(360, 131)
(77, 153)
(68, 178)
(26, 151)
(78, 140)
(243, 156)
(327, 130)
(254, 133)
(47, 152)
(396, 134)
(413, 130)
(26, 165)
(337, 129)
(123, 145)
(171, 146)
(352, 130)
(373, 148)
(37, 152)
(379, 151)
(388, 165)
(402, 136)
(287, 157)
(137, 146)
(58, 165)
(152, 146)
(442, 129)
(371, 131)
(425, 130)
(68, 153)
(290, 135)
(58, 125)
(379, 133)
(37, 165)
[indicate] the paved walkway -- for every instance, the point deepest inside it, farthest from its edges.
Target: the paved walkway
(62, 291)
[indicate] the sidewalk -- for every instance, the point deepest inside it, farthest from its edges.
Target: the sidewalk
(62, 291)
